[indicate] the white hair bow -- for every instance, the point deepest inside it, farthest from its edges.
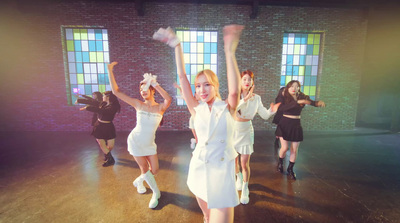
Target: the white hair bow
(148, 78)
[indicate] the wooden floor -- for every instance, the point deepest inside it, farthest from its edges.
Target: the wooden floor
(351, 176)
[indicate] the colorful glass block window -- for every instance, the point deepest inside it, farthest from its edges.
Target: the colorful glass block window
(86, 55)
(300, 60)
(200, 53)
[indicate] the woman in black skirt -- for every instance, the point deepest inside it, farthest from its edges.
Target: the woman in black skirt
(289, 128)
(103, 128)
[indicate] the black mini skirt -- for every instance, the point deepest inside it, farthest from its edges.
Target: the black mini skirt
(290, 129)
(104, 131)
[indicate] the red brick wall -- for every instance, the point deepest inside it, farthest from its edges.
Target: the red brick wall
(33, 78)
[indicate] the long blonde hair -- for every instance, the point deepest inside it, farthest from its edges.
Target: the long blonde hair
(212, 79)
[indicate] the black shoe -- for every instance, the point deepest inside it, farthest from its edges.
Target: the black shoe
(280, 165)
(110, 160)
(290, 171)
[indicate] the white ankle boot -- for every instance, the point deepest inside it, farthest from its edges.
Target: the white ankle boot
(138, 183)
(239, 180)
(149, 178)
(244, 198)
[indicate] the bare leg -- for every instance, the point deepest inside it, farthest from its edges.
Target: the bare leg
(293, 151)
(221, 215)
(103, 146)
(204, 208)
(153, 163)
(284, 147)
(245, 162)
(110, 144)
(143, 163)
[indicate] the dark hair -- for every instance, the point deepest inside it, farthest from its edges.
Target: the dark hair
(300, 95)
(150, 87)
(98, 96)
(113, 100)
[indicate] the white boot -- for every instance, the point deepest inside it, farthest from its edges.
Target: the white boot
(239, 180)
(149, 178)
(138, 183)
(244, 198)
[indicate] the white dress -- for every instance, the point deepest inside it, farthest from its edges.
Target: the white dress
(244, 132)
(142, 137)
(212, 167)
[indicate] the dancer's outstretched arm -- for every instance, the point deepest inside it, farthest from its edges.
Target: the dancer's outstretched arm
(115, 89)
(168, 36)
(231, 41)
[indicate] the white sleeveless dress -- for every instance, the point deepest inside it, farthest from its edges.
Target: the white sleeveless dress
(142, 137)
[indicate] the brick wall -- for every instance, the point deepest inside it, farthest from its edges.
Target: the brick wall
(33, 78)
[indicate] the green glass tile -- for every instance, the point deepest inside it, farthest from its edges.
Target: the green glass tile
(301, 70)
(100, 57)
(316, 50)
(70, 45)
(310, 39)
(317, 38)
(192, 78)
(80, 79)
(92, 56)
(102, 88)
(179, 34)
(84, 34)
(312, 90)
(77, 34)
(306, 90)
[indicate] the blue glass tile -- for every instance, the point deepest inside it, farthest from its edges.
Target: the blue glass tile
(307, 80)
(283, 79)
(302, 60)
(304, 39)
(297, 39)
(310, 49)
(313, 81)
(78, 56)
(186, 47)
(308, 70)
(92, 45)
(207, 47)
(98, 34)
(207, 58)
(213, 47)
(289, 59)
(289, 70)
(85, 57)
(99, 45)
(88, 89)
(187, 68)
(79, 68)
(296, 70)
(78, 45)
(200, 38)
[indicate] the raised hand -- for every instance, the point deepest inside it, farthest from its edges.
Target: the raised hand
(111, 65)
(231, 36)
(321, 104)
(167, 36)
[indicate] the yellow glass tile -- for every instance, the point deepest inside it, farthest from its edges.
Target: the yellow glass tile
(84, 35)
(310, 39)
(92, 56)
(200, 47)
(186, 36)
(100, 57)
(80, 79)
(179, 34)
(296, 49)
(187, 57)
(70, 45)
(288, 79)
(192, 78)
(200, 68)
(200, 58)
(301, 70)
(207, 66)
(77, 34)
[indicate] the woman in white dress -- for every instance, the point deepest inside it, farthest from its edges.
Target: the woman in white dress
(211, 175)
(141, 143)
(250, 104)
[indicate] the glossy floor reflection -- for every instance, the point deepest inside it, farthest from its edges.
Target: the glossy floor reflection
(350, 176)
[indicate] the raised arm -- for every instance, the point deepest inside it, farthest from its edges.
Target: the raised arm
(231, 41)
(165, 95)
(115, 89)
(168, 36)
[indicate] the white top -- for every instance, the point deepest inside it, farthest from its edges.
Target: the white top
(253, 106)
